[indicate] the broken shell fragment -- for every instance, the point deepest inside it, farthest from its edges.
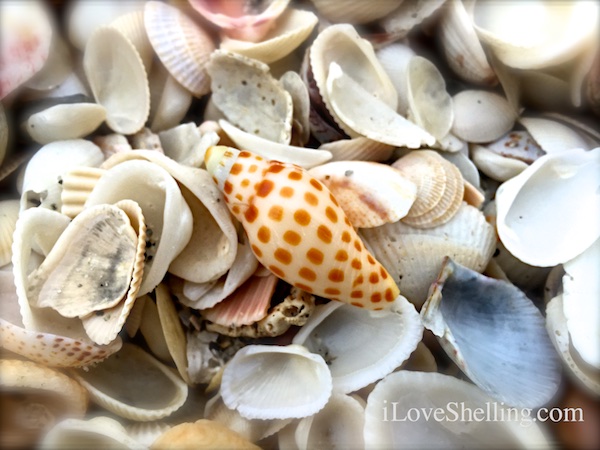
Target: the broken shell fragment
(293, 383)
(9, 212)
(360, 148)
(370, 194)
(526, 367)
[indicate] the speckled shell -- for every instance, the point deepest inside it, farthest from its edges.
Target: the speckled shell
(298, 230)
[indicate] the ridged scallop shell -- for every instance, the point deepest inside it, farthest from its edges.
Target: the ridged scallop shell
(121, 384)
(355, 12)
(289, 32)
(125, 98)
(340, 334)
(67, 121)
(100, 431)
(43, 174)
(440, 188)
(169, 100)
(360, 148)
(389, 405)
(370, 194)
(481, 116)
(163, 207)
(181, 45)
(413, 256)
(34, 398)
(77, 184)
(527, 370)
(294, 382)
(146, 432)
(552, 200)
(303, 157)
(9, 212)
(288, 202)
(132, 26)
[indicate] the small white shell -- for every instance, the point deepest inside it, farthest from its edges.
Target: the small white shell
(555, 200)
(292, 383)
(343, 336)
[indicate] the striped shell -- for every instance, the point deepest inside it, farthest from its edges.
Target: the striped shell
(298, 230)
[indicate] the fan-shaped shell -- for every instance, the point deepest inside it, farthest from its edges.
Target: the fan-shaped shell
(181, 45)
(123, 91)
(297, 228)
(293, 382)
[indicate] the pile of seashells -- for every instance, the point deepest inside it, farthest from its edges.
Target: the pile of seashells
(286, 224)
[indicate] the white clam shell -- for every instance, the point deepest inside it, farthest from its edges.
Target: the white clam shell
(290, 30)
(9, 212)
(304, 157)
(62, 122)
(507, 334)
(553, 136)
(388, 406)
(132, 26)
(43, 175)
(122, 382)
(355, 12)
(481, 116)
(343, 336)
(496, 166)
(292, 382)
(555, 199)
(163, 207)
(394, 59)
(360, 148)
(408, 15)
(123, 91)
(169, 100)
(370, 194)
(57, 68)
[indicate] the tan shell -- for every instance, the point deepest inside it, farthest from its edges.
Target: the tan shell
(290, 30)
(126, 98)
(181, 45)
(76, 186)
(355, 11)
(146, 139)
(169, 100)
(203, 434)
(440, 188)
(9, 212)
(112, 143)
(34, 398)
(121, 384)
(360, 148)
(370, 194)
(131, 25)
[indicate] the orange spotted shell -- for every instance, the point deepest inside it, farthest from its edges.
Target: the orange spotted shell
(297, 229)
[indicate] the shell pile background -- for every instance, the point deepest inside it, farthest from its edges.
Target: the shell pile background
(288, 223)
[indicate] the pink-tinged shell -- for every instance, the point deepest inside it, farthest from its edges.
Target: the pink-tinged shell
(248, 304)
(181, 45)
(233, 18)
(26, 34)
(298, 230)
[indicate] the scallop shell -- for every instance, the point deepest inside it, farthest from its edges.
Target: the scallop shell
(122, 382)
(9, 212)
(280, 239)
(340, 334)
(181, 45)
(303, 157)
(97, 432)
(251, 99)
(203, 435)
(440, 188)
(527, 370)
(293, 383)
(131, 25)
(169, 100)
(289, 32)
(563, 187)
(388, 407)
(26, 36)
(35, 398)
(146, 432)
(163, 208)
(562, 30)
(414, 256)
(481, 116)
(44, 172)
(126, 98)
(461, 46)
(67, 121)
(370, 194)
(77, 184)
(360, 148)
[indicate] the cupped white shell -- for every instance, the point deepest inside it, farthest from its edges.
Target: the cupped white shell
(169, 100)
(483, 323)
(392, 402)
(555, 200)
(293, 382)
(121, 384)
(343, 336)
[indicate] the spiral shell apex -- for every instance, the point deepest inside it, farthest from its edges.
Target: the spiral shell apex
(297, 229)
